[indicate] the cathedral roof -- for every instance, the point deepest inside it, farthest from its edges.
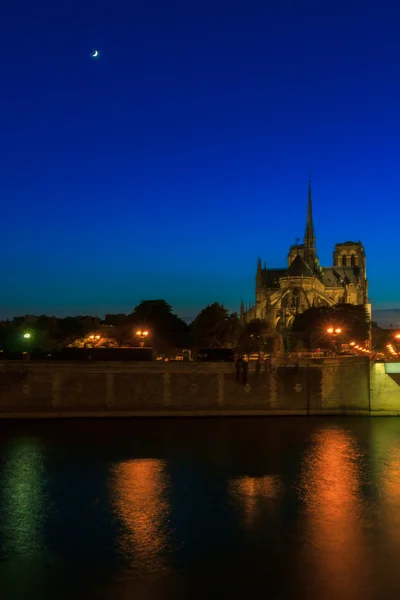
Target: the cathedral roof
(272, 277)
(299, 268)
(349, 244)
(337, 276)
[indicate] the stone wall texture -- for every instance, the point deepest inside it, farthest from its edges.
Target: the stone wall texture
(326, 386)
(385, 388)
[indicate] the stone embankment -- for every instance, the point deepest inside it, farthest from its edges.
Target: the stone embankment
(331, 386)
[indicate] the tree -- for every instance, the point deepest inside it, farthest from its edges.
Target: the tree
(13, 335)
(255, 337)
(166, 330)
(312, 324)
(215, 327)
(382, 337)
(94, 341)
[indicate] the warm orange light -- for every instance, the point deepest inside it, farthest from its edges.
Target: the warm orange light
(338, 330)
(357, 347)
(397, 336)
(330, 330)
(91, 337)
(97, 337)
(142, 334)
(353, 344)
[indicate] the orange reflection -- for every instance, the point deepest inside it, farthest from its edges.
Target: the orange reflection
(331, 489)
(139, 491)
(252, 492)
(390, 484)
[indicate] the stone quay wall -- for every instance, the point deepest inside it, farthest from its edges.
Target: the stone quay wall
(115, 389)
(385, 388)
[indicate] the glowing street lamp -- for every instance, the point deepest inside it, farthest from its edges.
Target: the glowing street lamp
(334, 332)
(142, 336)
(27, 337)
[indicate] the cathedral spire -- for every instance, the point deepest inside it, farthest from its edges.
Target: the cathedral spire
(310, 253)
(309, 236)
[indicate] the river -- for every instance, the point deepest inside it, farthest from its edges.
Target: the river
(200, 508)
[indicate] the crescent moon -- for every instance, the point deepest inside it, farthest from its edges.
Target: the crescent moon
(95, 53)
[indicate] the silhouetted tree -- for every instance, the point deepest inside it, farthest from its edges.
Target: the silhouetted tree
(67, 330)
(167, 331)
(256, 336)
(381, 337)
(313, 323)
(215, 327)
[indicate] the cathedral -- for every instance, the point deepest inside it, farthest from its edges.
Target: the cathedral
(283, 293)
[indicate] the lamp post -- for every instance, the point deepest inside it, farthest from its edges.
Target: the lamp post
(27, 337)
(334, 332)
(142, 335)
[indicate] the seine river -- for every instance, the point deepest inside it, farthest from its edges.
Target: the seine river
(206, 508)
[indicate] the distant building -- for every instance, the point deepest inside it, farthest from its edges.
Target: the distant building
(283, 293)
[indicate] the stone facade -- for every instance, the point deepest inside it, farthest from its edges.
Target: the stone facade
(284, 292)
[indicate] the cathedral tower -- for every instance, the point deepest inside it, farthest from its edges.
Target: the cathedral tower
(351, 260)
(350, 254)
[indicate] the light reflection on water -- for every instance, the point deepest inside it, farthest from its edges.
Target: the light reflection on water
(264, 507)
(253, 493)
(335, 513)
(22, 499)
(138, 491)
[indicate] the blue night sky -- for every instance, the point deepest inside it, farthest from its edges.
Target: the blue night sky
(165, 167)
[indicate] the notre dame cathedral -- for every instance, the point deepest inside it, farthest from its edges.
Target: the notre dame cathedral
(283, 293)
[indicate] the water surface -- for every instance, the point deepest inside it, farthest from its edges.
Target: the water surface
(202, 508)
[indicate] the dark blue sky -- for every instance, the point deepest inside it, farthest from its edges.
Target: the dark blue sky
(164, 168)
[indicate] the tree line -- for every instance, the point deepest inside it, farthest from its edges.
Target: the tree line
(214, 327)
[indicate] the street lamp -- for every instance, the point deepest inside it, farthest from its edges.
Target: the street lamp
(142, 336)
(27, 337)
(334, 332)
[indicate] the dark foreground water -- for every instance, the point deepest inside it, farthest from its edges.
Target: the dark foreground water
(206, 508)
